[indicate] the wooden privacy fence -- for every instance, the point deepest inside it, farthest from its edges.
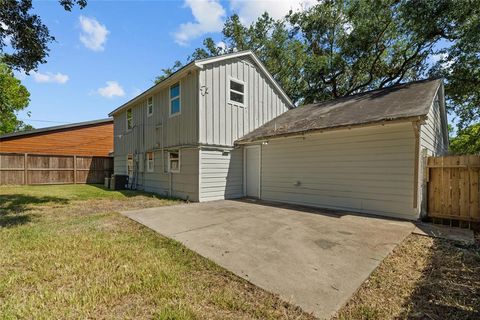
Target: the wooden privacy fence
(453, 187)
(53, 169)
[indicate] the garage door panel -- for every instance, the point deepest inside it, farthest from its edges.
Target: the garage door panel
(367, 174)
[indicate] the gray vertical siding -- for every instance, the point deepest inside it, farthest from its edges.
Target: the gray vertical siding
(366, 169)
(152, 133)
(184, 183)
(221, 122)
(147, 131)
(432, 132)
(221, 174)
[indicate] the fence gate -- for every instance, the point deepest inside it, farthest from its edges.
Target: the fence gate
(453, 187)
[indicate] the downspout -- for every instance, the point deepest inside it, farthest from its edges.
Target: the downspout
(170, 181)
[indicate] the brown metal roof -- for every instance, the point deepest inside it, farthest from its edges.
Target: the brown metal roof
(397, 102)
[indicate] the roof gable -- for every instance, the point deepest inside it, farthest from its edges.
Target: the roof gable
(198, 64)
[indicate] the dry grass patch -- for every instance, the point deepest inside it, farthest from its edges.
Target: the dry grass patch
(424, 278)
(67, 254)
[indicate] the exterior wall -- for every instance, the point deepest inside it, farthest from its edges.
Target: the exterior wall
(221, 122)
(149, 133)
(184, 184)
(221, 174)
(368, 169)
(432, 132)
(160, 131)
(91, 140)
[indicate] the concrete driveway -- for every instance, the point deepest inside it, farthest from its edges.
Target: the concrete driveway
(312, 258)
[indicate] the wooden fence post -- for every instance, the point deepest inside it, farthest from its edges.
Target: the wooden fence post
(25, 168)
(75, 169)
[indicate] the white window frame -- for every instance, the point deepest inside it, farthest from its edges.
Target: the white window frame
(179, 161)
(130, 159)
(179, 97)
(149, 106)
(131, 119)
(150, 163)
(244, 93)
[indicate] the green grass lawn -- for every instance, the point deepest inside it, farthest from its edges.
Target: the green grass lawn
(66, 253)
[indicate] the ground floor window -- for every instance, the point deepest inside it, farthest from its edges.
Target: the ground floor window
(174, 161)
(130, 165)
(150, 161)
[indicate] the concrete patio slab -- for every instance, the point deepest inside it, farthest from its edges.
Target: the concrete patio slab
(315, 259)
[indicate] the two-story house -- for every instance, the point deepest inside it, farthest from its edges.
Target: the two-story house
(222, 128)
(177, 138)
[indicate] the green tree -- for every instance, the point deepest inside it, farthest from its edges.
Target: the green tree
(14, 97)
(25, 34)
(340, 47)
(466, 141)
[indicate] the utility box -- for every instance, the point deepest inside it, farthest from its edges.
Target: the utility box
(120, 181)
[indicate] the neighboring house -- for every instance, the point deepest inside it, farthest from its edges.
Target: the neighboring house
(221, 128)
(91, 138)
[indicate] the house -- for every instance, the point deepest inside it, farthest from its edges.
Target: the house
(222, 128)
(177, 138)
(91, 138)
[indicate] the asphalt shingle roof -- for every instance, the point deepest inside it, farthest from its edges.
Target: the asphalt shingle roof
(392, 103)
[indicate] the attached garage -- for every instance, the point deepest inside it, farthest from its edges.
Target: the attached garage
(362, 153)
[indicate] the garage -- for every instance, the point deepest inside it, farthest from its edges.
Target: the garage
(363, 153)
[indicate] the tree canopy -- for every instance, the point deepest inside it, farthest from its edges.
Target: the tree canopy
(24, 38)
(24, 43)
(14, 97)
(340, 47)
(466, 141)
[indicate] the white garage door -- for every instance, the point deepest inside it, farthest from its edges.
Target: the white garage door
(365, 170)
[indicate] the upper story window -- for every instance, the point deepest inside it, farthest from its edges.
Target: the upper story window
(175, 107)
(149, 106)
(237, 92)
(129, 119)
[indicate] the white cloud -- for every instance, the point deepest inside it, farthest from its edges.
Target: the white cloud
(249, 10)
(49, 77)
(209, 17)
(94, 34)
(222, 45)
(112, 89)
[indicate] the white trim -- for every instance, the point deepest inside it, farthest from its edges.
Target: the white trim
(244, 93)
(179, 161)
(170, 99)
(126, 118)
(149, 114)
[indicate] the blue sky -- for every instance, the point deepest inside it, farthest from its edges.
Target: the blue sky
(107, 53)
(110, 51)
